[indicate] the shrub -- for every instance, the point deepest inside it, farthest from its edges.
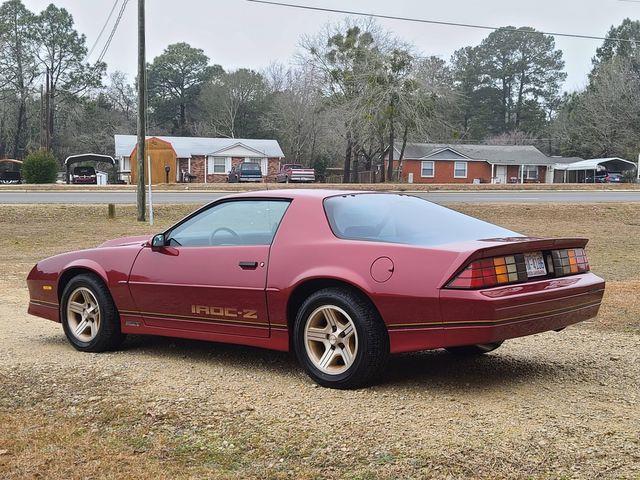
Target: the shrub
(40, 167)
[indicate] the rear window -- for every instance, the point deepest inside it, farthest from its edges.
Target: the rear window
(250, 167)
(404, 219)
(84, 171)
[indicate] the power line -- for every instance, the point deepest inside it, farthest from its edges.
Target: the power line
(95, 44)
(437, 22)
(113, 31)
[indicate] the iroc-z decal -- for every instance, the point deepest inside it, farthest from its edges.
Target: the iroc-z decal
(228, 312)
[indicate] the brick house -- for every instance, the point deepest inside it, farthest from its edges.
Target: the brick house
(443, 163)
(208, 160)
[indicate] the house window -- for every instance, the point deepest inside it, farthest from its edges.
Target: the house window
(460, 170)
(428, 169)
(263, 164)
(218, 165)
(530, 172)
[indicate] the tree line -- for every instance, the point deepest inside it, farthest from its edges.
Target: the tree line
(353, 95)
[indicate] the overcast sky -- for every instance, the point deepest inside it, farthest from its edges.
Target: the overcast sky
(236, 33)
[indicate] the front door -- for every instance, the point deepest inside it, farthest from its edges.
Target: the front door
(501, 174)
(211, 276)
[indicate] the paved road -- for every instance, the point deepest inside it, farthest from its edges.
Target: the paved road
(438, 197)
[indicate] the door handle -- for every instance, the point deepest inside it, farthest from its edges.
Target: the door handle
(248, 265)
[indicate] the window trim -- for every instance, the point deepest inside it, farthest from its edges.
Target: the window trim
(216, 203)
(529, 168)
(466, 169)
(433, 168)
(211, 167)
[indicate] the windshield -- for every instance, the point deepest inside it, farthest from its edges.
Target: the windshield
(250, 167)
(398, 218)
(84, 171)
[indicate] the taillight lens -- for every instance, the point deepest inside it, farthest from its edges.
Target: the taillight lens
(495, 271)
(490, 272)
(569, 260)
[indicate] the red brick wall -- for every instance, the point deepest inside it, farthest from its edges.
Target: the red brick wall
(197, 169)
(513, 171)
(444, 172)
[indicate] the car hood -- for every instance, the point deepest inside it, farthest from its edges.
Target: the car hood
(124, 241)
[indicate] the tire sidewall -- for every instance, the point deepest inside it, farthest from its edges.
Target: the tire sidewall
(312, 303)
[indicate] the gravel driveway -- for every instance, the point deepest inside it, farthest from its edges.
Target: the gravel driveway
(557, 404)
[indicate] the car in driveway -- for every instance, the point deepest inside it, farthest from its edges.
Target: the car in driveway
(10, 178)
(245, 172)
(344, 279)
(84, 176)
(291, 172)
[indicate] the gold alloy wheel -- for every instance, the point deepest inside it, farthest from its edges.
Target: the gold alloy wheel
(330, 339)
(83, 314)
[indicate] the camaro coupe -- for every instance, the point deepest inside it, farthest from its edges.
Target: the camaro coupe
(342, 278)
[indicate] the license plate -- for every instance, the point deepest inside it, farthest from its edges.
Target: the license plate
(535, 264)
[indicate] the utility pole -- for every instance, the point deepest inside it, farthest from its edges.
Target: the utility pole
(142, 110)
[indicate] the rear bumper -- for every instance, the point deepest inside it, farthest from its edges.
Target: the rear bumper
(249, 179)
(483, 316)
(301, 178)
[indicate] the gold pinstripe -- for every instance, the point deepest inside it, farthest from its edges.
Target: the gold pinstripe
(191, 317)
(44, 303)
(518, 317)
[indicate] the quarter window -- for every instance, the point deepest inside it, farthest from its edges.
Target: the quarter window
(460, 170)
(428, 168)
(240, 222)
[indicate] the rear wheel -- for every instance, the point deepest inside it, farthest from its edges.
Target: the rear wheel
(340, 339)
(471, 350)
(89, 316)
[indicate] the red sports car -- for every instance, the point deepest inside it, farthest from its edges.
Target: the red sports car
(343, 278)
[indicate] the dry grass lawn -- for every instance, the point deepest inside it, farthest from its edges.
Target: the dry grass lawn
(552, 406)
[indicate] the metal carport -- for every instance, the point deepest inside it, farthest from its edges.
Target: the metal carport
(86, 157)
(572, 171)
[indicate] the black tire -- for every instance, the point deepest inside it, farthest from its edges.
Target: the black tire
(473, 350)
(286, 179)
(109, 336)
(373, 340)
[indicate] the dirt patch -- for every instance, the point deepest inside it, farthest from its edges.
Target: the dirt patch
(555, 405)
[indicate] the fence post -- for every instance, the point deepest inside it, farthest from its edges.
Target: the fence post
(111, 210)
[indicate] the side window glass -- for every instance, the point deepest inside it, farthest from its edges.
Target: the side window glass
(241, 222)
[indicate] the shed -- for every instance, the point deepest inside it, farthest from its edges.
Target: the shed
(162, 155)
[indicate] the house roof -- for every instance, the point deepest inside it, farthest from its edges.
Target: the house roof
(186, 147)
(616, 163)
(496, 154)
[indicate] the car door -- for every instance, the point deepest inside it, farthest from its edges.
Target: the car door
(211, 275)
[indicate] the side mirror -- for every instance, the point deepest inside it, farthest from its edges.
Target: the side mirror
(158, 241)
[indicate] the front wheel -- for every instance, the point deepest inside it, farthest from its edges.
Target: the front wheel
(340, 339)
(89, 317)
(472, 350)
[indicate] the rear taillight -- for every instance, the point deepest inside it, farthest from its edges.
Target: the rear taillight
(568, 261)
(490, 272)
(496, 271)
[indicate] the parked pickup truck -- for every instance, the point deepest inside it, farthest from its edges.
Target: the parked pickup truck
(295, 173)
(245, 172)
